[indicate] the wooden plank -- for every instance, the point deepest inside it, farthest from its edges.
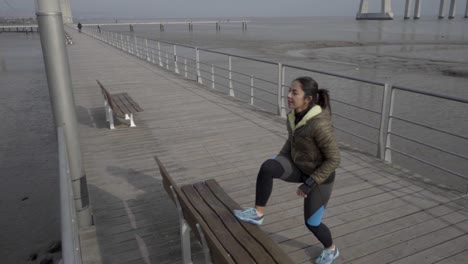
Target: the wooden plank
(120, 98)
(232, 246)
(119, 106)
(459, 258)
(418, 244)
(270, 246)
(439, 252)
(233, 226)
(134, 104)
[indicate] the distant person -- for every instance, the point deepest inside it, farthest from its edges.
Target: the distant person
(310, 157)
(79, 27)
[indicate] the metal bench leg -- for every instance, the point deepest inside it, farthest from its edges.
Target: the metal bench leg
(111, 118)
(127, 117)
(206, 249)
(184, 233)
(185, 239)
(106, 110)
(132, 124)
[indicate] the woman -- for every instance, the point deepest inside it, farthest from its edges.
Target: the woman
(309, 156)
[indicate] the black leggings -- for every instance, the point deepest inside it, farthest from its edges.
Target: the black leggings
(283, 168)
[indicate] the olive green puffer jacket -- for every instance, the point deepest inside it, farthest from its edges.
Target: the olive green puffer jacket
(312, 145)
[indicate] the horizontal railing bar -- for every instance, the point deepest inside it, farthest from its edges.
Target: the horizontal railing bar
(428, 127)
(355, 106)
(427, 145)
(432, 94)
(350, 133)
(428, 163)
(357, 121)
(335, 75)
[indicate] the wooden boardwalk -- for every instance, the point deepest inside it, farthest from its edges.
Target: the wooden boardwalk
(377, 214)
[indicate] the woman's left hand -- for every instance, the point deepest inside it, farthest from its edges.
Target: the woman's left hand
(299, 192)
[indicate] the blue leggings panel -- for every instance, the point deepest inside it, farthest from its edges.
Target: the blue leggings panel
(316, 218)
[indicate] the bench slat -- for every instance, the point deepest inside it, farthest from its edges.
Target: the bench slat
(232, 224)
(133, 104)
(120, 105)
(122, 97)
(271, 246)
(238, 253)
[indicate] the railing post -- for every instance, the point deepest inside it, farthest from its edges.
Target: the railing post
(136, 46)
(176, 67)
(159, 54)
(167, 60)
(197, 59)
(212, 76)
(185, 68)
(129, 48)
(147, 51)
(121, 42)
(231, 88)
(251, 90)
(152, 53)
(388, 145)
(383, 120)
(281, 73)
(57, 68)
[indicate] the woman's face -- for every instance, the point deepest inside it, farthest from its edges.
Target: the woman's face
(296, 98)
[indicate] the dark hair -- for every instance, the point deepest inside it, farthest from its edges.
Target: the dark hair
(319, 96)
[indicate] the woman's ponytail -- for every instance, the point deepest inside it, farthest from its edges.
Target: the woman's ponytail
(324, 99)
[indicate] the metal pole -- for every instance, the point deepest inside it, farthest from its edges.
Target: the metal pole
(417, 9)
(283, 79)
(122, 42)
(442, 9)
(58, 74)
(159, 54)
(136, 47)
(388, 145)
(185, 67)
(452, 9)
(466, 9)
(147, 50)
(212, 76)
(167, 60)
(152, 53)
(70, 238)
(383, 120)
(251, 90)
(197, 58)
(176, 67)
(280, 86)
(231, 88)
(408, 9)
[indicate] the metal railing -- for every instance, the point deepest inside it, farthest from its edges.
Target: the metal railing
(19, 28)
(71, 250)
(257, 90)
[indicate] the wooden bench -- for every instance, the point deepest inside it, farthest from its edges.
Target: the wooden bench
(121, 104)
(207, 210)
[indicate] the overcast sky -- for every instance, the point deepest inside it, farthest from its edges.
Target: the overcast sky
(215, 8)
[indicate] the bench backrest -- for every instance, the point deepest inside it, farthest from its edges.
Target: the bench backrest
(193, 218)
(106, 94)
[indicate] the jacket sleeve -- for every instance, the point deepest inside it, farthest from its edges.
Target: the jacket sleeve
(324, 137)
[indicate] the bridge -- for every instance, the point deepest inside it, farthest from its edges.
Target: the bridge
(386, 12)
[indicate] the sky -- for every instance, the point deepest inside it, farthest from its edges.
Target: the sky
(215, 8)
